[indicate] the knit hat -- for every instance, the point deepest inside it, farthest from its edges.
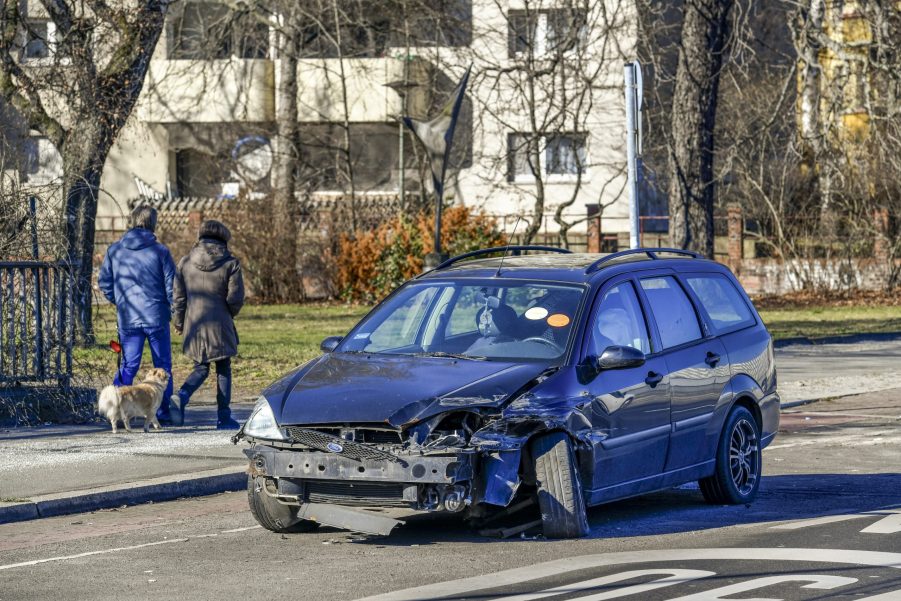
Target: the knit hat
(214, 229)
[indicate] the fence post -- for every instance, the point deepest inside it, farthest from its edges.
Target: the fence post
(735, 225)
(881, 225)
(195, 218)
(594, 228)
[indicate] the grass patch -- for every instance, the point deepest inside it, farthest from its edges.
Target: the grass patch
(820, 322)
(14, 500)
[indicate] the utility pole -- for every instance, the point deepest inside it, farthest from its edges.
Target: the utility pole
(632, 72)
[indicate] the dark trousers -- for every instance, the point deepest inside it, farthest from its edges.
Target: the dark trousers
(132, 341)
(223, 385)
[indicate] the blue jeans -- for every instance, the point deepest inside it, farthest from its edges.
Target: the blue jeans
(223, 386)
(132, 340)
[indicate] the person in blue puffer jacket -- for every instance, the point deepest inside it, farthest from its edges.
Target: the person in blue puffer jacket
(136, 276)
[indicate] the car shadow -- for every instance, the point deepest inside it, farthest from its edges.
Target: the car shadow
(683, 509)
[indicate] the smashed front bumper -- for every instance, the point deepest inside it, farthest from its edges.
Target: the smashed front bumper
(427, 482)
(448, 479)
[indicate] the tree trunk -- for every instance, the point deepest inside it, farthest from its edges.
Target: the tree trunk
(84, 155)
(691, 181)
(286, 147)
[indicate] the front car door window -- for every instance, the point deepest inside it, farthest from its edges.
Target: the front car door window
(619, 322)
(676, 319)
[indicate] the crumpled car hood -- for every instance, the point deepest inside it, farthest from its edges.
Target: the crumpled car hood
(391, 389)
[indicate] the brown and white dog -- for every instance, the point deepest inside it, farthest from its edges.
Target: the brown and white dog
(125, 402)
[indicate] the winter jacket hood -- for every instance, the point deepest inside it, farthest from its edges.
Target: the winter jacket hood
(138, 239)
(209, 255)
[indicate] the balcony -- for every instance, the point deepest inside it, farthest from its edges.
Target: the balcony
(243, 90)
(320, 94)
(215, 91)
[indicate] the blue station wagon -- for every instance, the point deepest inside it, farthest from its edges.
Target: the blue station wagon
(565, 379)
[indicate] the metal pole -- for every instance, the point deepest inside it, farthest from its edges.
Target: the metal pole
(632, 76)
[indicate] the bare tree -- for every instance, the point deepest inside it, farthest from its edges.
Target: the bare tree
(101, 53)
(705, 32)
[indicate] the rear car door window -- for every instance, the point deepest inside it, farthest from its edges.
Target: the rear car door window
(619, 322)
(723, 303)
(673, 312)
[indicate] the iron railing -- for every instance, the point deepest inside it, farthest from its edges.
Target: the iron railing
(36, 325)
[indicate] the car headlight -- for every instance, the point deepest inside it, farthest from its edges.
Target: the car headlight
(262, 422)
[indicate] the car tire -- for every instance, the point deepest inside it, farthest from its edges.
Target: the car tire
(271, 514)
(738, 465)
(559, 489)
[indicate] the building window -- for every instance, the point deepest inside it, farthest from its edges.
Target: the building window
(542, 33)
(42, 163)
(563, 156)
(209, 30)
(39, 42)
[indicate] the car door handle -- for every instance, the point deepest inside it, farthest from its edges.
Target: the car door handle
(653, 379)
(712, 359)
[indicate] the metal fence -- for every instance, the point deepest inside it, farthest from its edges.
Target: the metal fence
(36, 325)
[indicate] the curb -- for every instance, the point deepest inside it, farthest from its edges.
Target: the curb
(791, 404)
(846, 339)
(155, 490)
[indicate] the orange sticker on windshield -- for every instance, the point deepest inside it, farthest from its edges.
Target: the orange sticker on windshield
(558, 320)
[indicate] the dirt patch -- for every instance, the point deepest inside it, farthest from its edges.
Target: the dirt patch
(811, 298)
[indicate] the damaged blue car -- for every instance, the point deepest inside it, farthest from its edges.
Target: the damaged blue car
(566, 379)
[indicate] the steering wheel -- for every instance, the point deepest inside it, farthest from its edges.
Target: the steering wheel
(549, 343)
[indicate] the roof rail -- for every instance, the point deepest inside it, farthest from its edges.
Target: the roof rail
(650, 252)
(497, 249)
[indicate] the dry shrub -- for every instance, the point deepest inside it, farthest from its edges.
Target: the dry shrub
(372, 263)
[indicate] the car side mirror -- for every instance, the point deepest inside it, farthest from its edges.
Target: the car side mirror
(620, 357)
(330, 343)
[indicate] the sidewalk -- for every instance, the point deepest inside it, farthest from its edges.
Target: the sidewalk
(55, 470)
(812, 371)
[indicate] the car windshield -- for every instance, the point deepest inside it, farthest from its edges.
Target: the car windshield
(471, 320)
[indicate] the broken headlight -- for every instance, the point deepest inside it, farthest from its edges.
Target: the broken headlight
(262, 422)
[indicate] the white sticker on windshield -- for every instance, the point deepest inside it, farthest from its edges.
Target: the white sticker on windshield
(536, 313)
(361, 336)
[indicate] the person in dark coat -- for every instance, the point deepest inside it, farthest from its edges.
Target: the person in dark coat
(136, 276)
(208, 293)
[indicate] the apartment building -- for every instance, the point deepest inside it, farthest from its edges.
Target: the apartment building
(543, 120)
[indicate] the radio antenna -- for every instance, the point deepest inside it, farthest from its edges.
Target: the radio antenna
(504, 256)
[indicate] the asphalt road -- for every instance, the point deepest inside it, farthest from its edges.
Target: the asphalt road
(826, 525)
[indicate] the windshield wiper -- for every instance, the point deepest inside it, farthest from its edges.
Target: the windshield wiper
(451, 356)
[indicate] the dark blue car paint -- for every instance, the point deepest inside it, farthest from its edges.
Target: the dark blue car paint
(631, 436)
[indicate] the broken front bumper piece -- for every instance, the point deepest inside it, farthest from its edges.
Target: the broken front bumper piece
(426, 482)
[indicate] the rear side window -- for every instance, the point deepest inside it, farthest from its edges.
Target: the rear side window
(673, 312)
(723, 303)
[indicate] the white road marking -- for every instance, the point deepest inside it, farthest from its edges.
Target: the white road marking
(241, 529)
(816, 581)
(35, 562)
(571, 564)
(829, 519)
(887, 525)
(672, 577)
